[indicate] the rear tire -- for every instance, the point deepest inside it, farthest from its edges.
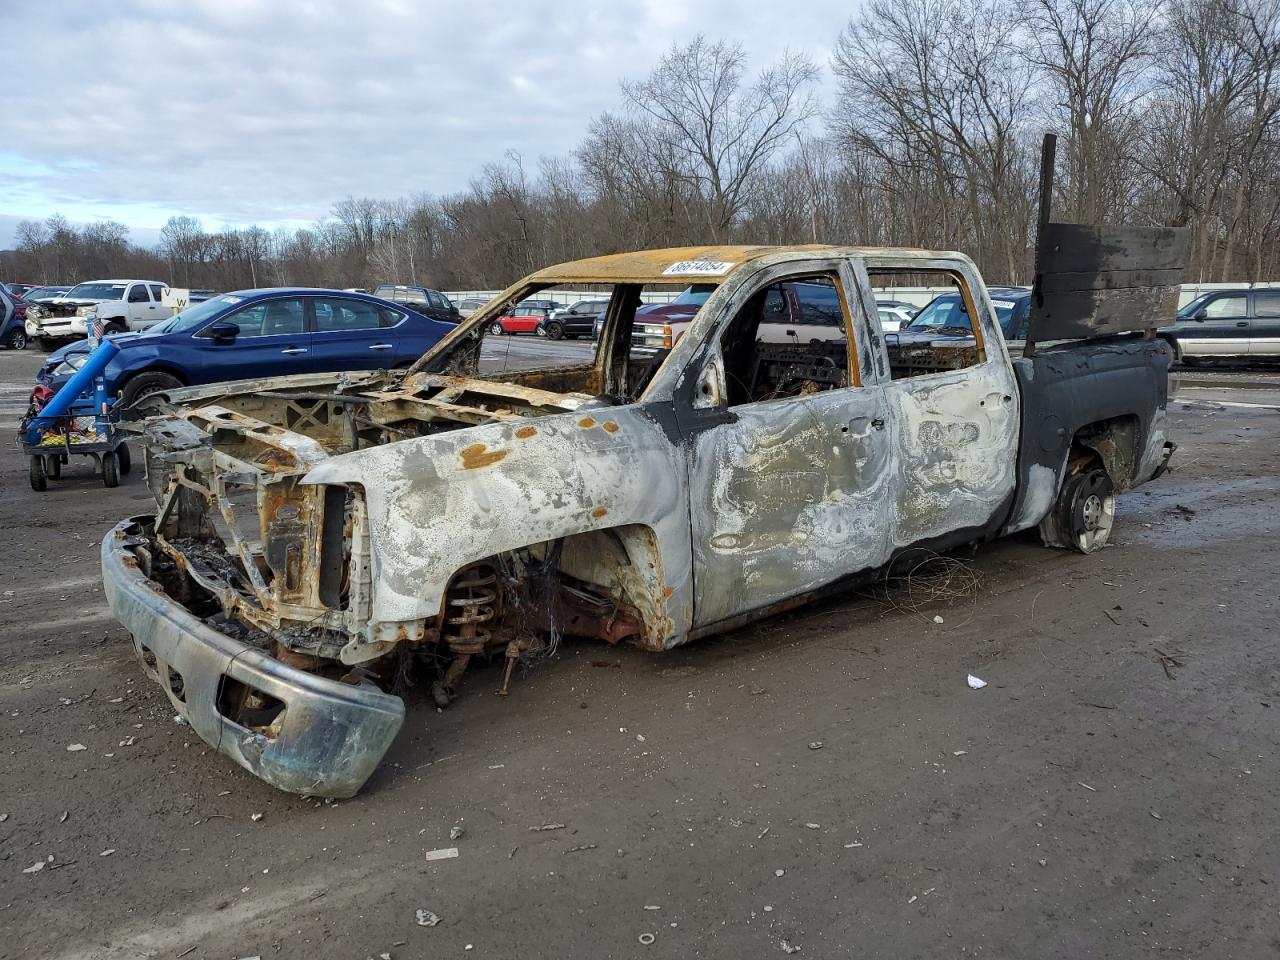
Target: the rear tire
(110, 470)
(17, 339)
(125, 458)
(1086, 511)
(39, 482)
(145, 384)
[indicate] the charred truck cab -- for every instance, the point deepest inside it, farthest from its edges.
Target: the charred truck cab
(316, 536)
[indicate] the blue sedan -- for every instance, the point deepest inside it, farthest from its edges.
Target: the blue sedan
(257, 333)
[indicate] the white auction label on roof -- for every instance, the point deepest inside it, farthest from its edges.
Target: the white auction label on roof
(702, 268)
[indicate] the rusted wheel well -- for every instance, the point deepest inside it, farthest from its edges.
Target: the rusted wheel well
(1113, 443)
(606, 583)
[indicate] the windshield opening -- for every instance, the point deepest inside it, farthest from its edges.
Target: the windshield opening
(612, 362)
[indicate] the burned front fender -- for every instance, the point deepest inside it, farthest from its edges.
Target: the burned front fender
(298, 731)
(436, 504)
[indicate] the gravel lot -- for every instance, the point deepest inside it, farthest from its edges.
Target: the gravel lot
(825, 780)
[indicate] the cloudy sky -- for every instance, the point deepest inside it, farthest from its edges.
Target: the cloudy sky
(269, 111)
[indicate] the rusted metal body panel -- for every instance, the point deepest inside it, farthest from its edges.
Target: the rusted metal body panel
(338, 525)
(494, 488)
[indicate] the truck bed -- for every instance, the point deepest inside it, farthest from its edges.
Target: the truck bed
(1119, 381)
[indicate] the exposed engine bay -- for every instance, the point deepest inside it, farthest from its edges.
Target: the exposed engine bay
(52, 309)
(285, 565)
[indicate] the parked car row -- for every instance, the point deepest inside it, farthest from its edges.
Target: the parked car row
(1222, 323)
(255, 333)
(1236, 323)
(583, 318)
(1240, 322)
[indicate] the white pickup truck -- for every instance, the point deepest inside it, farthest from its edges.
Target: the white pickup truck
(122, 305)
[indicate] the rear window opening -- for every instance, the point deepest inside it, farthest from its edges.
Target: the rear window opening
(944, 335)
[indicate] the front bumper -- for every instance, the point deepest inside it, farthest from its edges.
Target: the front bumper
(330, 736)
(57, 328)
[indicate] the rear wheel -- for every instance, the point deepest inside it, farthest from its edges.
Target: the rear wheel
(125, 458)
(17, 339)
(145, 384)
(39, 482)
(110, 470)
(1086, 511)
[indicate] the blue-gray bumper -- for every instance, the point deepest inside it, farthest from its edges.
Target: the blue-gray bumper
(330, 735)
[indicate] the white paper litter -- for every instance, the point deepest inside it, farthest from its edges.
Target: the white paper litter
(975, 683)
(445, 853)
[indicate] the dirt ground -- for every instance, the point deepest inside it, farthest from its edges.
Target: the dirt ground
(826, 782)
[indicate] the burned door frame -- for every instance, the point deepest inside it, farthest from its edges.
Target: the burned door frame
(956, 431)
(768, 523)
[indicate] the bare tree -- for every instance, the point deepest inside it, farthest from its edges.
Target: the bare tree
(183, 241)
(1093, 56)
(718, 132)
(934, 92)
(1171, 114)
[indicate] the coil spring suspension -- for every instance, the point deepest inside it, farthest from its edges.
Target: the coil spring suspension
(469, 605)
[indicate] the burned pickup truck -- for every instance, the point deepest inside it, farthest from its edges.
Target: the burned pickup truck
(322, 539)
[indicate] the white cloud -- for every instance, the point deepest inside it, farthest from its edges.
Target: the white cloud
(268, 111)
